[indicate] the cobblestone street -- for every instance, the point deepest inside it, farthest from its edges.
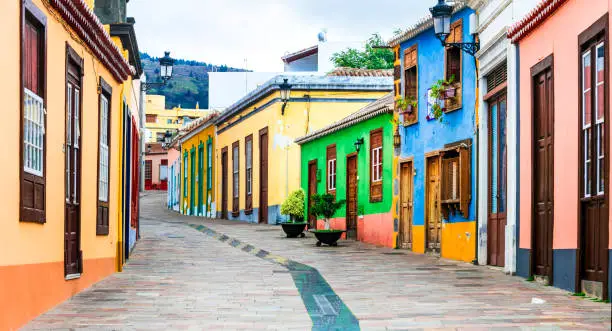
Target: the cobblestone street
(191, 273)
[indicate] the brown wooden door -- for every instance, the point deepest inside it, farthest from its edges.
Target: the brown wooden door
(72, 221)
(433, 215)
(543, 174)
(496, 227)
(405, 233)
(351, 196)
(224, 192)
(263, 175)
(594, 168)
(312, 190)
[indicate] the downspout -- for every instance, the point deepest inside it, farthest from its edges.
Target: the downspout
(477, 135)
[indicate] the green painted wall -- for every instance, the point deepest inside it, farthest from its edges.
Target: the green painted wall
(345, 144)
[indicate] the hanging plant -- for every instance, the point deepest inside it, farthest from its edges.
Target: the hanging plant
(406, 105)
(443, 89)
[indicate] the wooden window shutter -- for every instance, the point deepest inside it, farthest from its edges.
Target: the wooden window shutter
(102, 222)
(375, 186)
(453, 58)
(465, 181)
(235, 179)
(32, 192)
(248, 173)
(331, 155)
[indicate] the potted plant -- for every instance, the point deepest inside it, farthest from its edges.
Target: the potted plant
(325, 205)
(294, 207)
(443, 89)
(406, 105)
(449, 89)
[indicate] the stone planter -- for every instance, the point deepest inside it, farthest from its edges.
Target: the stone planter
(328, 237)
(293, 230)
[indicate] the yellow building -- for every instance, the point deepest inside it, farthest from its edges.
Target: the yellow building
(197, 146)
(67, 89)
(159, 119)
(257, 160)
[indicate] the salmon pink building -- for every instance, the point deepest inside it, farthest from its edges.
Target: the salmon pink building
(564, 93)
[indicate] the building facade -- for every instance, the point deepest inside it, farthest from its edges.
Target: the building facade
(437, 157)
(197, 181)
(564, 88)
(352, 160)
(159, 119)
(256, 157)
(68, 89)
(498, 131)
(174, 174)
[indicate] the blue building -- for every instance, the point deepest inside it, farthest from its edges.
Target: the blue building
(436, 158)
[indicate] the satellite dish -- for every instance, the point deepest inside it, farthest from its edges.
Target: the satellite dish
(322, 36)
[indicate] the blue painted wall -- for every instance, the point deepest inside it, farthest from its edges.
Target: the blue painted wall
(431, 135)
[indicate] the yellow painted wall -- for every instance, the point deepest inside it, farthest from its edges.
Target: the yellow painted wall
(283, 162)
(202, 137)
(458, 241)
(32, 255)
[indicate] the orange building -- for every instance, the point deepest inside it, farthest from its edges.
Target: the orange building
(68, 90)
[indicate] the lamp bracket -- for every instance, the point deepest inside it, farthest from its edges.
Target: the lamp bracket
(470, 48)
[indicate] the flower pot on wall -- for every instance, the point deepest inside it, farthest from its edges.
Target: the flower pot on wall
(450, 92)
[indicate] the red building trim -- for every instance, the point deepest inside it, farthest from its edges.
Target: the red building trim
(533, 19)
(87, 25)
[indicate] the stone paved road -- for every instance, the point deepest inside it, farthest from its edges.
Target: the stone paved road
(184, 274)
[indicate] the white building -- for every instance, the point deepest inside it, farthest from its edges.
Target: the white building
(498, 131)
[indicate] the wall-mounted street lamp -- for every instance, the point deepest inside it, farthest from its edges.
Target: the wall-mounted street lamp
(148, 148)
(358, 144)
(166, 65)
(285, 92)
(397, 139)
(441, 14)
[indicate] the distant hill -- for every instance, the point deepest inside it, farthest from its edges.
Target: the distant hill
(189, 83)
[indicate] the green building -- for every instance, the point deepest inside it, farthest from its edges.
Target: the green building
(353, 160)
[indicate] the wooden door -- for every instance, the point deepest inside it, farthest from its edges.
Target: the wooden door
(543, 173)
(432, 213)
(263, 175)
(405, 233)
(72, 152)
(312, 190)
(351, 196)
(201, 179)
(224, 192)
(192, 184)
(594, 164)
(496, 225)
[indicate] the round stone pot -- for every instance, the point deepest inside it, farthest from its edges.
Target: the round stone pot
(328, 237)
(293, 230)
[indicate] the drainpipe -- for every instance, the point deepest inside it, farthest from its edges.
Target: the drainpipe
(477, 134)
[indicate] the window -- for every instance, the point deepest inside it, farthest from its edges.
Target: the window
(455, 182)
(376, 158)
(148, 169)
(159, 137)
(235, 178)
(33, 116)
(248, 156)
(169, 121)
(151, 118)
(593, 122)
(331, 169)
(453, 58)
(163, 170)
(209, 164)
(104, 128)
(410, 83)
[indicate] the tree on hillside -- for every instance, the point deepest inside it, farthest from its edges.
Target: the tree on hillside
(369, 58)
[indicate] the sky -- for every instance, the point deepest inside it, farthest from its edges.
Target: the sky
(262, 31)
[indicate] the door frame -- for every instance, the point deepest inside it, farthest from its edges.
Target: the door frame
(400, 164)
(192, 189)
(261, 218)
(201, 178)
(224, 186)
(316, 165)
(74, 60)
(545, 64)
(428, 155)
(356, 156)
(599, 27)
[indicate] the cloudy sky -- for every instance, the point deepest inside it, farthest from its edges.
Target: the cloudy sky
(228, 31)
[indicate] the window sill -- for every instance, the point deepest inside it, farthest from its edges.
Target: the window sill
(72, 276)
(235, 213)
(41, 221)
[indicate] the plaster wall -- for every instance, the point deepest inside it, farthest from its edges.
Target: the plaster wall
(301, 117)
(309, 63)
(201, 138)
(156, 162)
(429, 136)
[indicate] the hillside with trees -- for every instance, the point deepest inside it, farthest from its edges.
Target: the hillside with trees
(189, 83)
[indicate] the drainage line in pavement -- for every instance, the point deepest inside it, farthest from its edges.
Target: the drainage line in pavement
(325, 308)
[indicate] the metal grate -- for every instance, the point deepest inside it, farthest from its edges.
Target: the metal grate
(497, 77)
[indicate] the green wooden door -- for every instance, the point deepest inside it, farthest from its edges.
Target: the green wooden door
(192, 186)
(201, 178)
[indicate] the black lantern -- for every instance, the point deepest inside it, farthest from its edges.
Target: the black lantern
(285, 93)
(441, 14)
(148, 148)
(167, 137)
(166, 63)
(358, 144)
